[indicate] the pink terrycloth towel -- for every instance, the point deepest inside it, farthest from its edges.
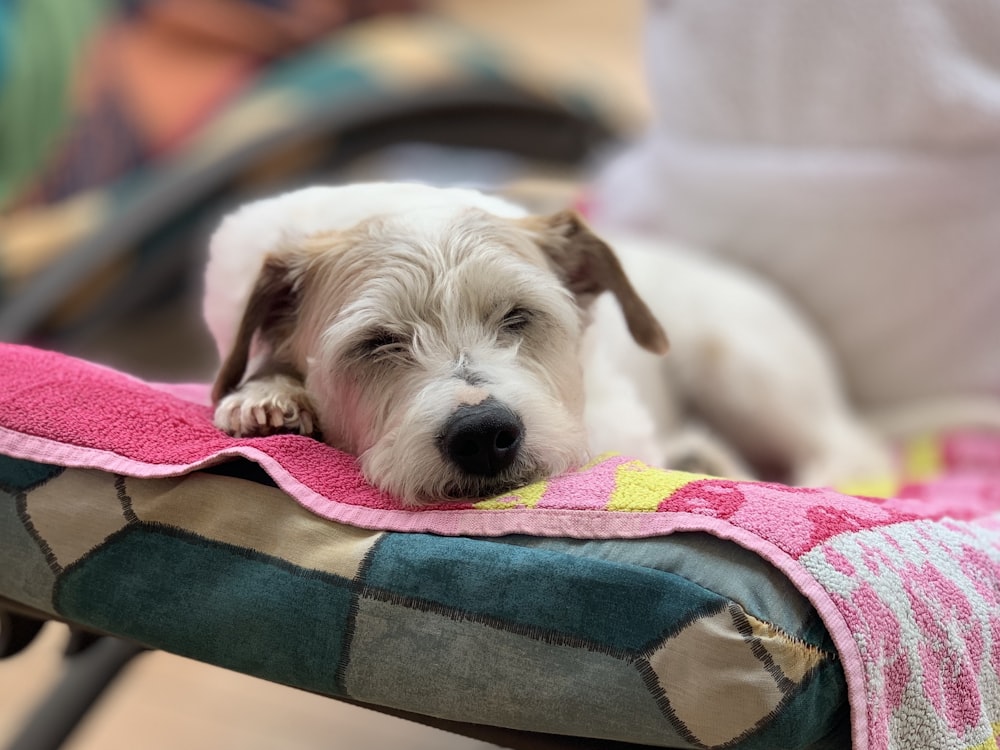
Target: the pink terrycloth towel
(908, 587)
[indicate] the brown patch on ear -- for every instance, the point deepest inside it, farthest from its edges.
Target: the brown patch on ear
(588, 267)
(270, 310)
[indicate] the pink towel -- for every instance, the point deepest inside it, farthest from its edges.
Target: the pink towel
(908, 587)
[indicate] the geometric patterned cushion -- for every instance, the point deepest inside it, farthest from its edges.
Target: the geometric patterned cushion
(586, 638)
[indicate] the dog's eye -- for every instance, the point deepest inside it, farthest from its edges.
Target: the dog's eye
(516, 320)
(383, 343)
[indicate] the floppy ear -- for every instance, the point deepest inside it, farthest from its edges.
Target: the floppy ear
(270, 309)
(588, 267)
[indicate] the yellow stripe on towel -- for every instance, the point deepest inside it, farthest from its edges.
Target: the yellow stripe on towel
(641, 488)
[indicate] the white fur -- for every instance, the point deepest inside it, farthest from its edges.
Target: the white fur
(279, 402)
(747, 379)
(249, 233)
(417, 246)
(744, 371)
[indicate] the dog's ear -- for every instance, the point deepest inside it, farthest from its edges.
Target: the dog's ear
(271, 307)
(588, 267)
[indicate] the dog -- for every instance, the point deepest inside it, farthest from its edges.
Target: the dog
(461, 347)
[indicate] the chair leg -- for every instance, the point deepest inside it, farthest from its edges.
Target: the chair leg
(88, 671)
(17, 632)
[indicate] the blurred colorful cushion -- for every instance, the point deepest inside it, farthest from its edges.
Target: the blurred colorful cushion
(127, 201)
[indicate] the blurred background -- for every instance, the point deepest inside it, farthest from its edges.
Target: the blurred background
(151, 118)
(127, 128)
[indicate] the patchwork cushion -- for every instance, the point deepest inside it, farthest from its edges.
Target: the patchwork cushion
(601, 639)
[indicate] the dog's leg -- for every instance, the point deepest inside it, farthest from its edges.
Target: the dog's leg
(782, 405)
(694, 448)
(266, 404)
(843, 452)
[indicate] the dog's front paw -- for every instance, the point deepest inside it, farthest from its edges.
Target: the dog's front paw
(265, 407)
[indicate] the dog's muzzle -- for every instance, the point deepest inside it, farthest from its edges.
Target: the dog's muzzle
(482, 439)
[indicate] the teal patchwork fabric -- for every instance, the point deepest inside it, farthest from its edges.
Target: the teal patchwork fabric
(598, 639)
(251, 613)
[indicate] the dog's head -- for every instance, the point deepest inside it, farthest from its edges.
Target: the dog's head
(441, 350)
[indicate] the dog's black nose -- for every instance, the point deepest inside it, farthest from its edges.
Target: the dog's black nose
(483, 439)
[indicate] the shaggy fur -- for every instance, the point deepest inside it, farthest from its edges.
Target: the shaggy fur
(379, 315)
(375, 326)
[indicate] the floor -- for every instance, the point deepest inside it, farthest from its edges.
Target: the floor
(164, 701)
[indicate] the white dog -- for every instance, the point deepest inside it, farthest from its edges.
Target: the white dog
(441, 336)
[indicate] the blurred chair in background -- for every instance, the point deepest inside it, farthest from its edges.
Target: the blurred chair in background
(173, 111)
